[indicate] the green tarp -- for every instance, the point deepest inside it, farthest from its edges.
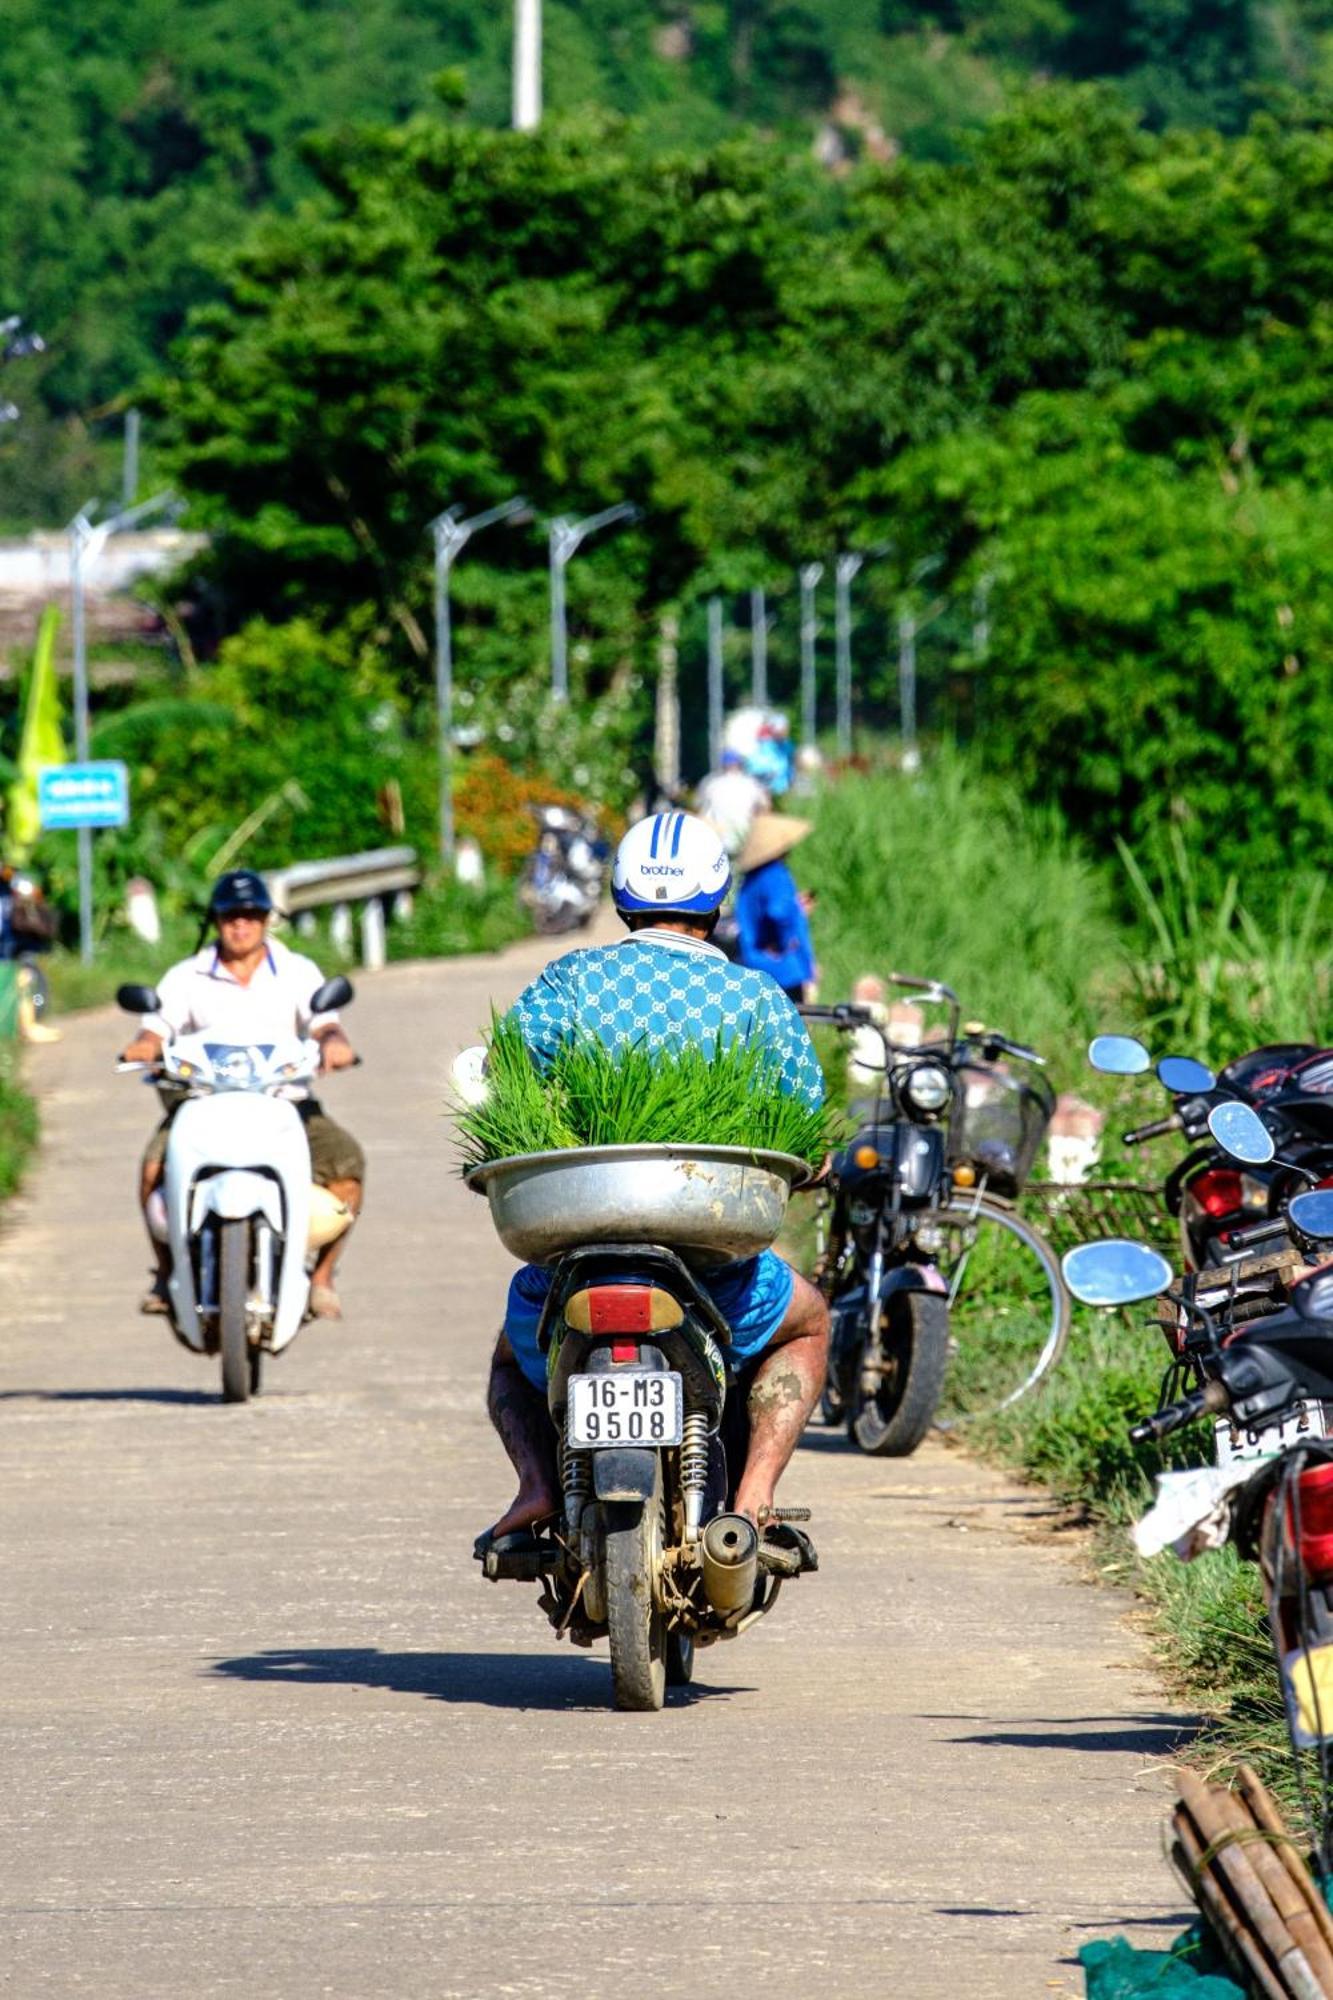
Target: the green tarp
(1189, 1971)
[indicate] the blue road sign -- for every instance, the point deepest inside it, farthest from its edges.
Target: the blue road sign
(72, 795)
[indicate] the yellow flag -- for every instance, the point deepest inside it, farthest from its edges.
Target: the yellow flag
(40, 742)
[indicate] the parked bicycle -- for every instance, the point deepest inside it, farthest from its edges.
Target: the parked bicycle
(946, 1303)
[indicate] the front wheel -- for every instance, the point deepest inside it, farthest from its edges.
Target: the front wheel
(891, 1420)
(233, 1293)
(1009, 1310)
(635, 1625)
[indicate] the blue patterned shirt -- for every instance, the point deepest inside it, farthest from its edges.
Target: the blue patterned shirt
(664, 989)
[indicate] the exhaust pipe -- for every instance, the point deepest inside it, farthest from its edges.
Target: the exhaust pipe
(730, 1548)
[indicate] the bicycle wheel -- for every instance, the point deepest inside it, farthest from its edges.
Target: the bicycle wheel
(1009, 1310)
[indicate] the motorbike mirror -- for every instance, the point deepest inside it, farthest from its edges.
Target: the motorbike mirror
(138, 999)
(1118, 1055)
(335, 992)
(1312, 1214)
(1184, 1077)
(1242, 1133)
(1117, 1272)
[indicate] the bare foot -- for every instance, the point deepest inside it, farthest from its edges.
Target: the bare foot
(530, 1507)
(755, 1502)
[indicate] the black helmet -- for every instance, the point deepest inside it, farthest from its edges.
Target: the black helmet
(239, 889)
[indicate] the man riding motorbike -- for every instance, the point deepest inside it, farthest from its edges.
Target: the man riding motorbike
(662, 986)
(248, 987)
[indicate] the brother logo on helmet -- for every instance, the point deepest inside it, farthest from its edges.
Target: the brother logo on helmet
(664, 869)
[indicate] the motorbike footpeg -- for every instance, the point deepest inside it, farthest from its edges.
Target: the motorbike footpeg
(786, 1550)
(520, 1558)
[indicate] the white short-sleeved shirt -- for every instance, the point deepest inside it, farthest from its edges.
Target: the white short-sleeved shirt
(201, 997)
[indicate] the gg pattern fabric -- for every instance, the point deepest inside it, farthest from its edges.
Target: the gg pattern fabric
(662, 989)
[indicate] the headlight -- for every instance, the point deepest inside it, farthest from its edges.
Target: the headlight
(234, 1068)
(928, 1087)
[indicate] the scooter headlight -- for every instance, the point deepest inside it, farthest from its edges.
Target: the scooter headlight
(927, 1087)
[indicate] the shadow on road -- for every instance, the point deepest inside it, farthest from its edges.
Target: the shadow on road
(1134, 1735)
(491, 1680)
(191, 1397)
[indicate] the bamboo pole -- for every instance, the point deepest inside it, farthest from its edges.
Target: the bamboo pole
(1287, 1900)
(1208, 1893)
(1229, 1861)
(1264, 1808)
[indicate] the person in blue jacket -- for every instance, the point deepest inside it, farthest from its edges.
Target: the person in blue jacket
(773, 928)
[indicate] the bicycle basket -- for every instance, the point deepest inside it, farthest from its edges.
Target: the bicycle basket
(998, 1124)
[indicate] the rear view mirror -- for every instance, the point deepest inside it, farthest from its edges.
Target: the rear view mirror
(1242, 1133)
(1118, 1272)
(1184, 1077)
(1118, 1055)
(334, 993)
(1312, 1214)
(138, 999)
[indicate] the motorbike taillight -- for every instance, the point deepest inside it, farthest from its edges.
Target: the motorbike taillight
(1218, 1190)
(1310, 1520)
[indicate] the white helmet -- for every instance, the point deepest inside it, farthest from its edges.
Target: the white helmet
(672, 861)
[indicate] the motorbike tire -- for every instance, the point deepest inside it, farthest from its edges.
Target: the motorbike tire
(892, 1422)
(679, 1659)
(233, 1291)
(635, 1625)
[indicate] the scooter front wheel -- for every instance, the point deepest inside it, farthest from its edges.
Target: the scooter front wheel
(233, 1291)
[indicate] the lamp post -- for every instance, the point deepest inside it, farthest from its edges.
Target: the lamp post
(451, 535)
(527, 65)
(565, 537)
(758, 648)
(714, 683)
(810, 574)
(844, 570)
(86, 542)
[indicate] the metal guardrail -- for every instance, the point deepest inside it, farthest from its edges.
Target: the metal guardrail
(374, 880)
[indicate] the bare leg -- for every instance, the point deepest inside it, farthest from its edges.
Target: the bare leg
(785, 1389)
(519, 1414)
(150, 1177)
(349, 1194)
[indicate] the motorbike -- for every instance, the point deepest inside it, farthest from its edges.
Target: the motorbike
(648, 1409)
(1266, 1382)
(564, 878)
(949, 1137)
(236, 1206)
(1215, 1202)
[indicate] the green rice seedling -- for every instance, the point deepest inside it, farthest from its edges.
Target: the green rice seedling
(590, 1095)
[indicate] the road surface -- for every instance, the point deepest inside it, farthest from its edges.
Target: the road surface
(266, 1731)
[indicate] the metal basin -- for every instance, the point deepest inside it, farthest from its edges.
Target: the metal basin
(712, 1204)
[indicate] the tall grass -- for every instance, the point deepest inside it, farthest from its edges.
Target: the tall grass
(946, 875)
(18, 1124)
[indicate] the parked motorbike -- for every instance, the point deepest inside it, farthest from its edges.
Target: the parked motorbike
(1290, 1086)
(564, 878)
(650, 1417)
(949, 1127)
(237, 1207)
(1267, 1384)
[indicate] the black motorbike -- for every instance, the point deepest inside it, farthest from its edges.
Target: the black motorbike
(948, 1138)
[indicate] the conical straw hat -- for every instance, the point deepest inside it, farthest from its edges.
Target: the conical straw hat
(770, 835)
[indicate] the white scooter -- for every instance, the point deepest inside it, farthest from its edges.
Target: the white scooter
(236, 1206)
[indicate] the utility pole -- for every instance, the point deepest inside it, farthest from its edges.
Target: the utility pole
(129, 490)
(758, 649)
(907, 689)
(844, 570)
(666, 748)
(714, 683)
(527, 65)
(451, 535)
(564, 537)
(810, 574)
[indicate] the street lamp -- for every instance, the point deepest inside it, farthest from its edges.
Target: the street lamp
(451, 536)
(86, 542)
(810, 574)
(565, 537)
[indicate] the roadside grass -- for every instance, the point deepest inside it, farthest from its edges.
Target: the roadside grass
(18, 1124)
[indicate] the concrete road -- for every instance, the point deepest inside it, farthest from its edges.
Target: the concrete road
(266, 1731)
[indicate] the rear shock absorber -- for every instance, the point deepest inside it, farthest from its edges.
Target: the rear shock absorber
(694, 1470)
(575, 1479)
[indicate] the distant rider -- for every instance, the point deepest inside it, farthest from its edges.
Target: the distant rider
(248, 987)
(665, 985)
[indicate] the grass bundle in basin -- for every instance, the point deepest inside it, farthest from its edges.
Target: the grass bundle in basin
(635, 1096)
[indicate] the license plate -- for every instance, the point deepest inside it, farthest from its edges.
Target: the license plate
(625, 1406)
(1234, 1447)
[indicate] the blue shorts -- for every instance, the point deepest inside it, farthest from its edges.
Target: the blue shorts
(752, 1298)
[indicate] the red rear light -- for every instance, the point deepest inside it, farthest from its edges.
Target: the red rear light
(1316, 1520)
(1219, 1191)
(620, 1308)
(624, 1350)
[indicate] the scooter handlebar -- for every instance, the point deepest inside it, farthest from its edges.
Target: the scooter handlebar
(1174, 1416)
(1154, 1130)
(1257, 1232)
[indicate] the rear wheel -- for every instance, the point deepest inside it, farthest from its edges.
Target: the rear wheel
(914, 1353)
(635, 1625)
(679, 1659)
(233, 1293)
